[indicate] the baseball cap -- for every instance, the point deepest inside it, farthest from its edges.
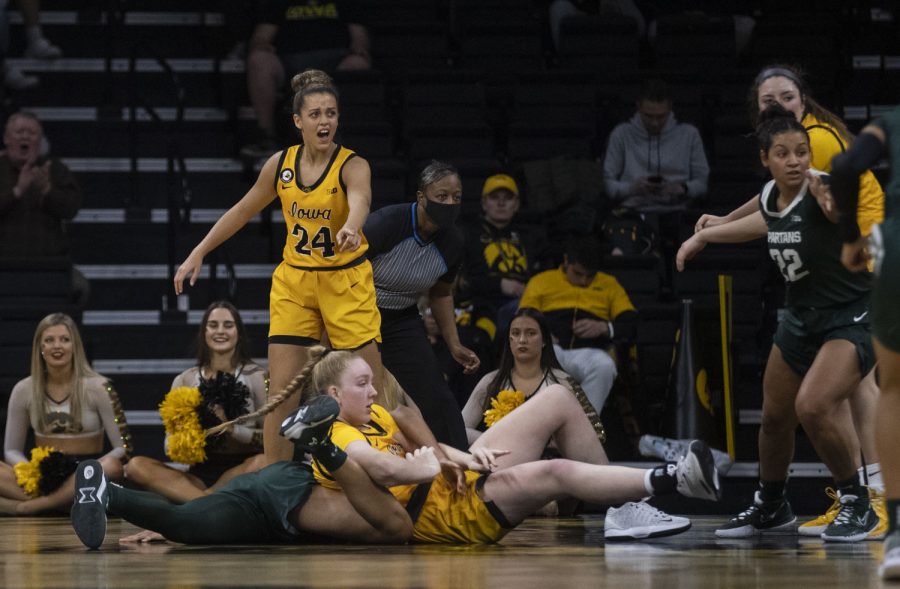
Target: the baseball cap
(498, 181)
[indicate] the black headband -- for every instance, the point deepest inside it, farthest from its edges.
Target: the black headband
(779, 71)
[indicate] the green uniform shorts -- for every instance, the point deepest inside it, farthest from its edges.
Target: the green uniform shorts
(802, 332)
(274, 492)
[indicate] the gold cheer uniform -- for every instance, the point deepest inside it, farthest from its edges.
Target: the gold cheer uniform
(317, 287)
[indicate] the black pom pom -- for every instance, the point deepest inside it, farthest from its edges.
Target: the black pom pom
(55, 469)
(208, 419)
(227, 392)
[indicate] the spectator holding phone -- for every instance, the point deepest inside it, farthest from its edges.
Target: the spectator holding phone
(652, 160)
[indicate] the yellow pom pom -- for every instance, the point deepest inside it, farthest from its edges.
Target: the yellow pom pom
(188, 445)
(178, 407)
(505, 401)
(28, 474)
(186, 439)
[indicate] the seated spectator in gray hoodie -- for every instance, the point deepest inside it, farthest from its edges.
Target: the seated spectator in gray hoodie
(652, 160)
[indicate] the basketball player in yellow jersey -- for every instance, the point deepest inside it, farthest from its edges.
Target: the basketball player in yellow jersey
(325, 281)
(480, 508)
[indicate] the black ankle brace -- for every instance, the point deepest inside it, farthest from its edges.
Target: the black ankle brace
(329, 455)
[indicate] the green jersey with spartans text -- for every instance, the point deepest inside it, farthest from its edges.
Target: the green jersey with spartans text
(806, 247)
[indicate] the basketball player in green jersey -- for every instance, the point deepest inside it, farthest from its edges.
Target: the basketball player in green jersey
(884, 247)
(822, 347)
(828, 135)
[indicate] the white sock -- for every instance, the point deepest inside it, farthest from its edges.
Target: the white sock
(873, 471)
(647, 485)
(33, 34)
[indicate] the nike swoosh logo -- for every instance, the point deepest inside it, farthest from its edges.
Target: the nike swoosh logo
(859, 318)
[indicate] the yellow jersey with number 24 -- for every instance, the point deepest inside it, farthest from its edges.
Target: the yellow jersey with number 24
(314, 214)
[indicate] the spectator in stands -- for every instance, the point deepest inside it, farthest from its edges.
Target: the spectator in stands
(499, 258)
(653, 167)
(652, 159)
(239, 19)
(38, 194)
(588, 310)
(527, 364)
(292, 36)
(13, 77)
(225, 372)
(36, 45)
(71, 409)
(418, 248)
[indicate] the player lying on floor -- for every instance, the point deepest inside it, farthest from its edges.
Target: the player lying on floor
(480, 508)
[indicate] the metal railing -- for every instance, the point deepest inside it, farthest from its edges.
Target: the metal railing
(141, 111)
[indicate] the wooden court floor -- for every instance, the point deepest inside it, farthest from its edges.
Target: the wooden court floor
(546, 553)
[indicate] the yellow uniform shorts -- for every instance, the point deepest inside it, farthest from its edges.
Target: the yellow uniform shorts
(448, 517)
(304, 303)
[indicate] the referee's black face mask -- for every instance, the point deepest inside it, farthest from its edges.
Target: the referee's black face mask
(443, 215)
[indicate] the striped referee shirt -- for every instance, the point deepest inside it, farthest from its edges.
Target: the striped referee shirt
(404, 263)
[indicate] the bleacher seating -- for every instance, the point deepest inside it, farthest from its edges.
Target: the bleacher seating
(475, 82)
(607, 44)
(695, 44)
(552, 114)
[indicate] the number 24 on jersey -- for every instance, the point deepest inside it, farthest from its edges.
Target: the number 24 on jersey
(321, 241)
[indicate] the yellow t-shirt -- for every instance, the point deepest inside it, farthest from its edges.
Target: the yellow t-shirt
(549, 291)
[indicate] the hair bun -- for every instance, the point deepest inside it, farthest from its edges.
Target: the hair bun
(311, 79)
(774, 112)
(774, 120)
